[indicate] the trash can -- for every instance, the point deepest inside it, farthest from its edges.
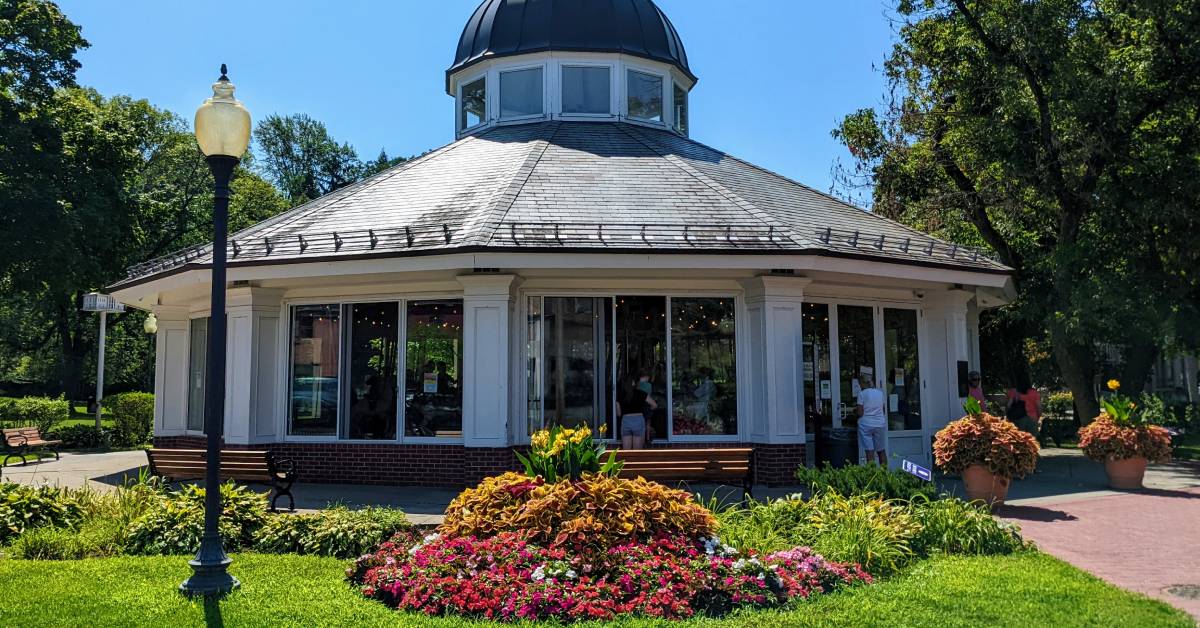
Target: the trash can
(838, 446)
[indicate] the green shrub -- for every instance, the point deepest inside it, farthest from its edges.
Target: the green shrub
(338, 531)
(862, 479)
(133, 417)
(1058, 404)
(174, 523)
(97, 538)
(24, 508)
(82, 436)
(952, 526)
(41, 412)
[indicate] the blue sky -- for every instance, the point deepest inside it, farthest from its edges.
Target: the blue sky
(775, 75)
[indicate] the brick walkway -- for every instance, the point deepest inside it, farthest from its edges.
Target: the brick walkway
(1143, 541)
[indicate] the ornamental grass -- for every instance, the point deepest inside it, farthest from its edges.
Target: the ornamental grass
(601, 509)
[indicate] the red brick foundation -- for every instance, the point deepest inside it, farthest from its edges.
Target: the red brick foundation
(453, 465)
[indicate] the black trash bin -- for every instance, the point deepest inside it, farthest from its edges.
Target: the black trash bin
(838, 446)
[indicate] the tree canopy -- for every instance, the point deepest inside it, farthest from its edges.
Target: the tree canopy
(1062, 134)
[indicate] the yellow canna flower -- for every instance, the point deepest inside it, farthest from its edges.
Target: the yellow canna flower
(1114, 385)
(603, 429)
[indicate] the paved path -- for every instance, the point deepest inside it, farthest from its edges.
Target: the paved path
(99, 471)
(1144, 541)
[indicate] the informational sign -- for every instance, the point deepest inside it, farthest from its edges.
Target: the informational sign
(855, 388)
(429, 383)
(893, 402)
(826, 389)
(915, 469)
(898, 377)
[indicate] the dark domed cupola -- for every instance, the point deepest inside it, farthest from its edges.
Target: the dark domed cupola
(595, 60)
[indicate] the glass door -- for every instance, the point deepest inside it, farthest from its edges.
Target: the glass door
(856, 353)
(902, 385)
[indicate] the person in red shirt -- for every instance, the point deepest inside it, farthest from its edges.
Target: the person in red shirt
(1029, 417)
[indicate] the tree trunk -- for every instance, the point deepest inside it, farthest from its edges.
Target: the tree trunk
(1137, 361)
(1075, 364)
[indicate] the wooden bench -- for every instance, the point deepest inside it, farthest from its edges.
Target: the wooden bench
(718, 465)
(257, 467)
(19, 441)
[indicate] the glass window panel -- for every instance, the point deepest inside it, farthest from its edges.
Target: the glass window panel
(641, 347)
(681, 109)
(586, 90)
(818, 388)
(578, 374)
(533, 378)
(314, 379)
(902, 379)
(473, 107)
(521, 93)
(372, 362)
(433, 369)
(197, 360)
(645, 96)
(703, 367)
(856, 353)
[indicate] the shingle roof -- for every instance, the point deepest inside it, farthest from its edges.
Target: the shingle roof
(554, 186)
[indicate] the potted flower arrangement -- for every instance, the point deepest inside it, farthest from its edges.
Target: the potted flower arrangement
(987, 451)
(1124, 440)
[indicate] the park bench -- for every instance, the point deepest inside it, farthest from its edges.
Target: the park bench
(19, 441)
(251, 467)
(722, 465)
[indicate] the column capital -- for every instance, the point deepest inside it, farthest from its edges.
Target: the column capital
(950, 301)
(253, 296)
(775, 286)
(488, 285)
(170, 312)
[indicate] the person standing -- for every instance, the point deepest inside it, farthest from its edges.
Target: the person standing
(872, 420)
(1024, 408)
(975, 388)
(633, 411)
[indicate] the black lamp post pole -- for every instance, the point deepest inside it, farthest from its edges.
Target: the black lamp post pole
(211, 566)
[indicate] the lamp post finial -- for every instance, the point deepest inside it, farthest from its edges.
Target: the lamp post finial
(224, 73)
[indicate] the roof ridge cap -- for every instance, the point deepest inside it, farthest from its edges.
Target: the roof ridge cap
(827, 195)
(498, 209)
(321, 202)
(757, 212)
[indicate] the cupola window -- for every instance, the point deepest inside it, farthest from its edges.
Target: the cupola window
(681, 109)
(521, 93)
(586, 90)
(472, 104)
(645, 96)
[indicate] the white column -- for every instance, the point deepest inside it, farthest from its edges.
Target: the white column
(948, 342)
(252, 367)
(973, 335)
(487, 311)
(170, 371)
(776, 386)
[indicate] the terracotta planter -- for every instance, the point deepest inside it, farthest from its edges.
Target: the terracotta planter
(1125, 474)
(985, 486)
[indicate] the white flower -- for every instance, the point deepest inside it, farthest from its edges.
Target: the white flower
(539, 574)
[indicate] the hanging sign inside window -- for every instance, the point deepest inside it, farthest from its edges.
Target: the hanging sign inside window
(898, 376)
(826, 390)
(893, 402)
(429, 383)
(917, 470)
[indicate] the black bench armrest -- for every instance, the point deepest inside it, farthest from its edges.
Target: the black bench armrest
(17, 440)
(284, 466)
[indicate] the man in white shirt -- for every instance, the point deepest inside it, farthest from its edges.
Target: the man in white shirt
(872, 420)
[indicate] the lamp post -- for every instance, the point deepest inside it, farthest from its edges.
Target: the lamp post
(223, 132)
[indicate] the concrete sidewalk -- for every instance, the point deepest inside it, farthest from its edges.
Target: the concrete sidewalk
(103, 471)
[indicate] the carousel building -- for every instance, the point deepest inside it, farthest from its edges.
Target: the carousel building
(415, 327)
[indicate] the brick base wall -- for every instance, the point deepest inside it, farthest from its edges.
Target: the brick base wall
(453, 465)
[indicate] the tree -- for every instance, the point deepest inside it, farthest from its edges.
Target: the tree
(381, 163)
(301, 159)
(1063, 135)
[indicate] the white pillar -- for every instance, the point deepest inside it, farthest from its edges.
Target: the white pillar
(252, 367)
(487, 310)
(948, 343)
(776, 386)
(973, 336)
(170, 371)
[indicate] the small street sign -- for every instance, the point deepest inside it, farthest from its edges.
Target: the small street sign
(95, 302)
(911, 467)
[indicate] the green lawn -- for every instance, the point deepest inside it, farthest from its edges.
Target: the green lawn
(1022, 590)
(1188, 447)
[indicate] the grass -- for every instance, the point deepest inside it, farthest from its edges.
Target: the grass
(1017, 590)
(1188, 447)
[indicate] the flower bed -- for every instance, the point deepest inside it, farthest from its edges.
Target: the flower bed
(507, 577)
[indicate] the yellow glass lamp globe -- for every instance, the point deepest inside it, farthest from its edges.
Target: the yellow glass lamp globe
(222, 123)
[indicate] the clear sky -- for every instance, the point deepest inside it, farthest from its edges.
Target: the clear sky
(775, 75)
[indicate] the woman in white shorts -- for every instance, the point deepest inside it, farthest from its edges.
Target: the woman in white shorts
(872, 421)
